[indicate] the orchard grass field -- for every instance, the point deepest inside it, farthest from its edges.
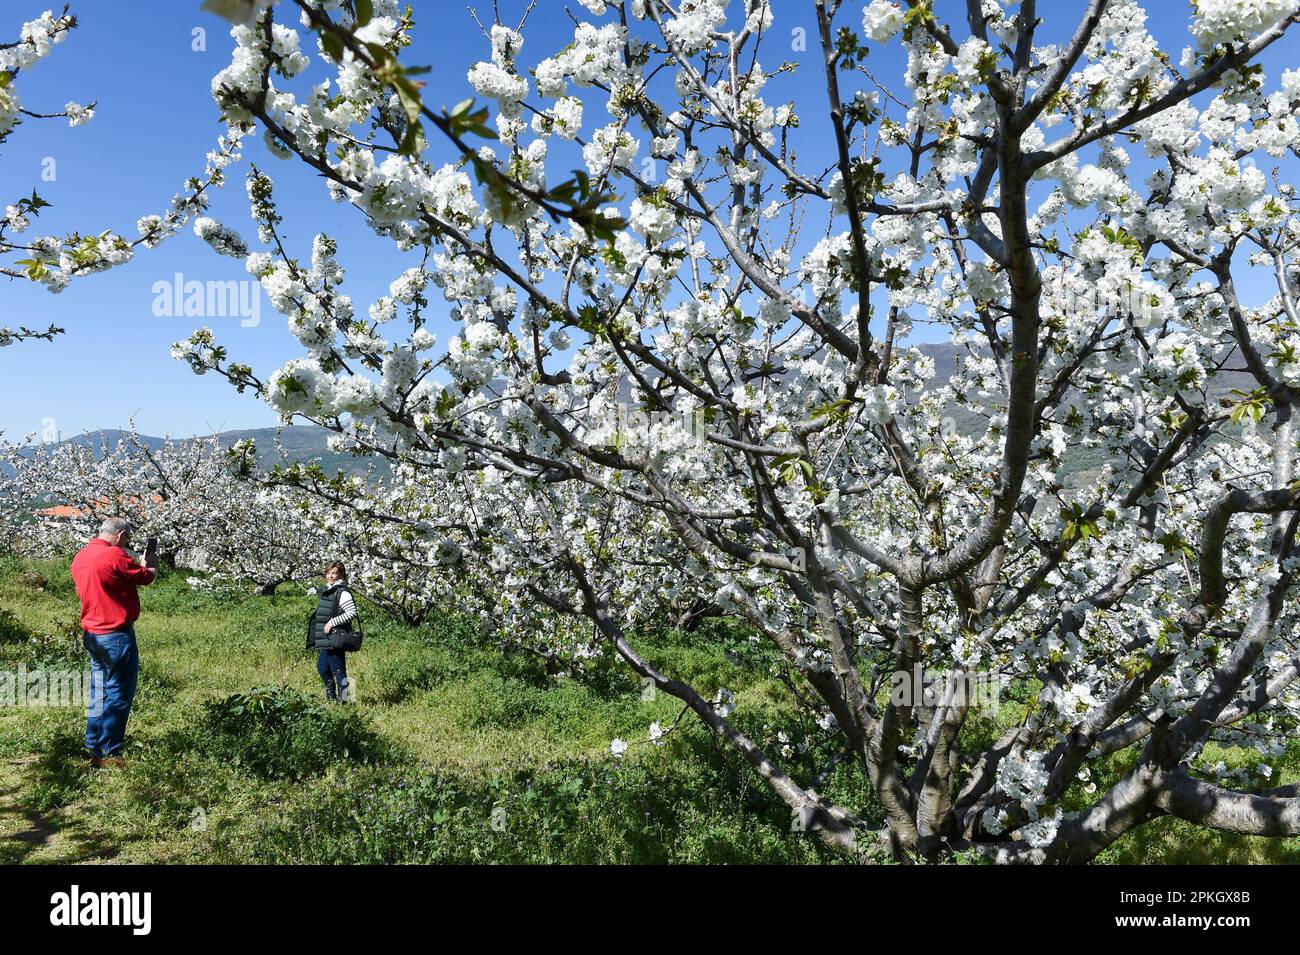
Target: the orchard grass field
(457, 750)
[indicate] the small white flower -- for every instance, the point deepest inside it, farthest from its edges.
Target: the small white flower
(724, 704)
(79, 115)
(223, 240)
(17, 221)
(881, 20)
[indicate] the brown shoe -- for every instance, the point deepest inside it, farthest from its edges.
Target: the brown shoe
(108, 762)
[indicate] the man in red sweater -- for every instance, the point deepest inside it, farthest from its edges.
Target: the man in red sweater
(107, 577)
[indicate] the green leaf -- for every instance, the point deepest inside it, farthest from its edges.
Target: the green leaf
(332, 45)
(790, 466)
(410, 101)
(837, 411)
(1253, 405)
(919, 13)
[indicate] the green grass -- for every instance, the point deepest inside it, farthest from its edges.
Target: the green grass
(235, 758)
(458, 751)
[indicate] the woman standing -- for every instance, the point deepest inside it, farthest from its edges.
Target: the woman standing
(335, 611)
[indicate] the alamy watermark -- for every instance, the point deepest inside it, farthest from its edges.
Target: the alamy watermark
(178, 297)
(133, 910)
(1141, 306)
(51, 688)
(632, 420)
(920, 687)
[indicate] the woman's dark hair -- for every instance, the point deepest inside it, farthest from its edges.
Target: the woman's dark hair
(343, 571)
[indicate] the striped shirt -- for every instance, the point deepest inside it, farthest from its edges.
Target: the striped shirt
(347, 608)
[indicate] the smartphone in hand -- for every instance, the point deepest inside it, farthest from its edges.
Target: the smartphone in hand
(151, 552)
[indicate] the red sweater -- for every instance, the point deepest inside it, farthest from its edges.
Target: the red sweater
(106, 580)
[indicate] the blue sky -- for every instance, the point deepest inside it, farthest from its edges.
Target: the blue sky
(154, 123)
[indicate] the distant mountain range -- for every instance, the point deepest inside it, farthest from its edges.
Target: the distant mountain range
(301, 444)
(309, 443)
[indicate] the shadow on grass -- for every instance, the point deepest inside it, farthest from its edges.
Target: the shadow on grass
(38, 828)
(17, 846)
(60, 772)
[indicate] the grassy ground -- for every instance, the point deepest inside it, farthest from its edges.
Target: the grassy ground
(456, 751)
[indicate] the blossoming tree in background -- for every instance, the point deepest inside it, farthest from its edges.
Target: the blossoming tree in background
(393, 531)
(55, 260)
(185, 493)
(217, 511)
(708, 390)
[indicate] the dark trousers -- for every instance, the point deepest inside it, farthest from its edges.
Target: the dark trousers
(333, 669)
(114, 671)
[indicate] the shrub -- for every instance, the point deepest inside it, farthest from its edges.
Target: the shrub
(11, 630)
(278, 733)
(58, 647)
(420, 668)
(668, 807)
(503, 702)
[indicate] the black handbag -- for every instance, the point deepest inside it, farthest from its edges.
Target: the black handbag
(348, 640)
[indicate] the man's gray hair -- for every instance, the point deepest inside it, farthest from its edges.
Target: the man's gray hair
(114, 525)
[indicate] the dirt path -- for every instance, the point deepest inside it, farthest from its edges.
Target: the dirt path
(28, 836)
(23, 832)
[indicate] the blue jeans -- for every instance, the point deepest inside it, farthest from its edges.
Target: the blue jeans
(114, 671)
(333, 669)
